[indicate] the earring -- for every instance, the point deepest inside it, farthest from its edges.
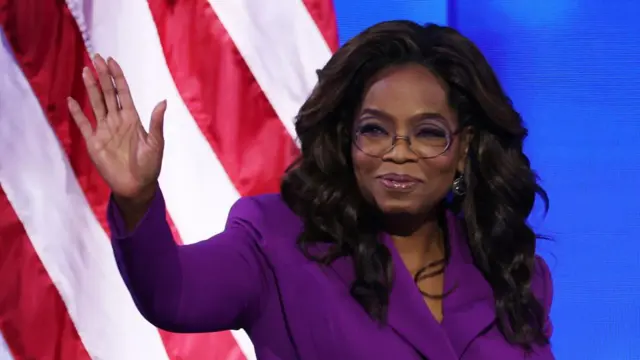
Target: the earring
(459, 187)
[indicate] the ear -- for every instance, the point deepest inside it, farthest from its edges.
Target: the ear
(465, 137)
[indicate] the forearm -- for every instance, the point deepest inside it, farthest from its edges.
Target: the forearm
(208, 286)
(132, 210)
(146, 255)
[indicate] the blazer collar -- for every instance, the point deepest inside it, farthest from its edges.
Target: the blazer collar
(409, 316)
(468, 309)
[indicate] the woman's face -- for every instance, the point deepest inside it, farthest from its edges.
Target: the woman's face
(407, 100)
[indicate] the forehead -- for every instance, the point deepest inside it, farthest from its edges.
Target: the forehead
(406, 91)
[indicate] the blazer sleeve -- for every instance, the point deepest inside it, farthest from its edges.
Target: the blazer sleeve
(208, 286)
(546, 296)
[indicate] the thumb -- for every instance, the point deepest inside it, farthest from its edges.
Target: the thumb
(157, 121)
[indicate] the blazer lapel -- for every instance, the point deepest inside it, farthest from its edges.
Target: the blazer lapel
(407, 315)
(410, 318)
(469, 310)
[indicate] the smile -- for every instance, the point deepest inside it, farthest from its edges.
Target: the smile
(398, 182)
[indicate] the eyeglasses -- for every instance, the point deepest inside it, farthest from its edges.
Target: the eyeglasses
(428, 140)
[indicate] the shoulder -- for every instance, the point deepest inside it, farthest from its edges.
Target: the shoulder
(542, 286)
(266, 214)
(542, 282)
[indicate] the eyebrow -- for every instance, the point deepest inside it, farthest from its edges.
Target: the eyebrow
(387, 116)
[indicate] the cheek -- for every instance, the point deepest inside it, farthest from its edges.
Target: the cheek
(362, 164)
(364, 167)
(440, 173)
(448, 163)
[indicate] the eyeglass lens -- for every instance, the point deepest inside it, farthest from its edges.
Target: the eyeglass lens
(427, 139)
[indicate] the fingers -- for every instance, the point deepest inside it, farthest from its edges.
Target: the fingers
(106, 83)
(157, 121)
(80, 119)
(122, 87)
(95, 95)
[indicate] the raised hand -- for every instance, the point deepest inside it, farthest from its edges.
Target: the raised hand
(127, 157)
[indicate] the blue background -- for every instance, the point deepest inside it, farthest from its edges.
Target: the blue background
(572, 69)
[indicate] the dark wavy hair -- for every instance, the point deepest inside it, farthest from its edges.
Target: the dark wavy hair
(501, 187)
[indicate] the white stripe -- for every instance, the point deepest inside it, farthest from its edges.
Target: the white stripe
(281, 44)
(78, 9)
(197, 189)
(4, 350)
(71, 244)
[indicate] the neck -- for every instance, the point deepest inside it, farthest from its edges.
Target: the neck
(420, 242)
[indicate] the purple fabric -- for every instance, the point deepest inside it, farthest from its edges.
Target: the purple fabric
(252, 276)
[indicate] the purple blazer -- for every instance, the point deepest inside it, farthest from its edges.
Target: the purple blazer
(252, 276)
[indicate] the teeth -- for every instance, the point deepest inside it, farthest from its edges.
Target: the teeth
(399, 185)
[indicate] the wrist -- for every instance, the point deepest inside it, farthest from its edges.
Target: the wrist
(140, 200)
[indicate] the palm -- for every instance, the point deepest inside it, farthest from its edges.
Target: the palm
(124, 159)
(127, 157)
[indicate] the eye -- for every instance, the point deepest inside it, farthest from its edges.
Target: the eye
(431, 131)
(372, 130)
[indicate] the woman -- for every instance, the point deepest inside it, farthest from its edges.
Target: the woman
(400, 233)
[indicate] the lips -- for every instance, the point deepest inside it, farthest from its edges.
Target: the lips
(399, 182)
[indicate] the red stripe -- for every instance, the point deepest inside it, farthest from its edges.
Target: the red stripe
(211, 346)
(33, 317)
(51, 71)
(51, 53)
(324, 15)
(223, 97)
(49, 49)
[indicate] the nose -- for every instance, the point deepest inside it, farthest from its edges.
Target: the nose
(401, 151)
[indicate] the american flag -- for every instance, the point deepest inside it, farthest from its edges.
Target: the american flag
(234, 73)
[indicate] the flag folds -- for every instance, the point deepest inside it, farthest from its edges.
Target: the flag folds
(234, 74)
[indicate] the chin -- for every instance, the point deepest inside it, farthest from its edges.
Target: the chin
(398, 206)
